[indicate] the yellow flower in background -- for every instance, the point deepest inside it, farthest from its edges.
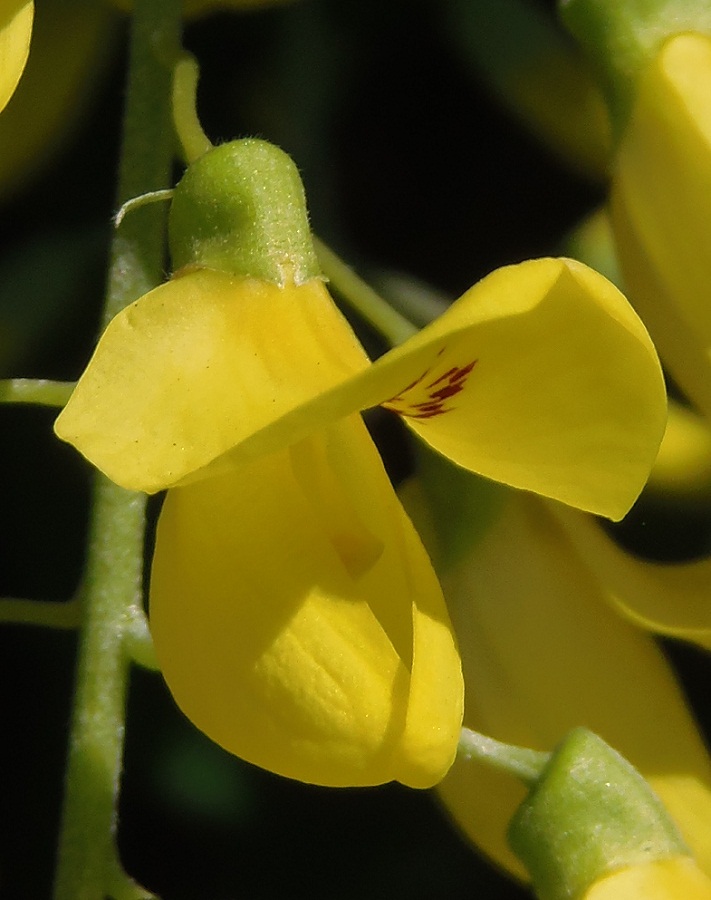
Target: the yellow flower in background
(667, 599)
(15, 32)
(294, 610)
(543, 651)
(57, 86)
(678, 878)
(661, 209)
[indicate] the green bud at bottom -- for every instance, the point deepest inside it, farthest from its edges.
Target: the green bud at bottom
(240, 208)
(589, 813)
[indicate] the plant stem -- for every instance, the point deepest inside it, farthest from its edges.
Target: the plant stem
(138, 251)
(87, 866)
(113, 580)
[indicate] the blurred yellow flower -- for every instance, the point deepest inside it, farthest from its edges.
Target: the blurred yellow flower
(661, 209)
(57, 86)
(544, 651)
(294, 611)
(15, 32)
(667, 599)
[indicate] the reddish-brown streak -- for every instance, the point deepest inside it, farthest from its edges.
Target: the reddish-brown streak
(455, 379)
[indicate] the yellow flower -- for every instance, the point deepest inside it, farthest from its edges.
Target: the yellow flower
(672, 600)
(540, 377)
(661, 208)
(543, 651)
(15, 32)
(294, 611)
(57, 85)
(678, 878)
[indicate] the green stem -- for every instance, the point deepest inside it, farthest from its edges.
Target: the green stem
(138, 251)
(113, 582)
(39, 391)
(520, 762)
(361, 296)
(87, 867)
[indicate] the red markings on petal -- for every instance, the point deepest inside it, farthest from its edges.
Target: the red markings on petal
(418, 401)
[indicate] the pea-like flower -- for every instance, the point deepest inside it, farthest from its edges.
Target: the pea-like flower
(656, 64)
(15, 32)
(294, 610)
(661, 208)
(535, 604)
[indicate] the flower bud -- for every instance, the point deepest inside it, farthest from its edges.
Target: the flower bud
(240, 208)
(589, 815)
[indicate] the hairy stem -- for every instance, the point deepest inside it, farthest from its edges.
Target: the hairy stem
(87, 867)
(520, 762)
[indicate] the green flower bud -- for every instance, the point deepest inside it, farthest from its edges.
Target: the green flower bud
(240, 208)
(589, 814)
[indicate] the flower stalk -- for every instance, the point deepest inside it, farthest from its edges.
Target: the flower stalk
(520, 762)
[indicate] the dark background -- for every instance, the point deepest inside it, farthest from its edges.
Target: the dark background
(410, 166)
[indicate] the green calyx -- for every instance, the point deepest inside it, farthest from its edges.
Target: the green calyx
(589, 813)
(240, 208)
(622, 36)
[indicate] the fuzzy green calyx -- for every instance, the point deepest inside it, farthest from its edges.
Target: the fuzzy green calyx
(621, 38)
(240, 208)
(589, 814)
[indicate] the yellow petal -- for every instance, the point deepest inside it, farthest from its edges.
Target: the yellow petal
(302, 630)
(673, 600)
(661, 208)
(542, 653)
(681, 347)
(195, 366)
(15, 32)
(541, 377)
(664, 170)
(565, 396)
(678, 878)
